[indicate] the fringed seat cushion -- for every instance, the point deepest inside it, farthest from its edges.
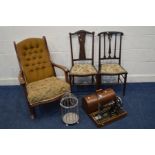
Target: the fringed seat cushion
(112, 69)
(46, 89)
(83, 69)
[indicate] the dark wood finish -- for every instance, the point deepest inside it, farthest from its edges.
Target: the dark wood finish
(91, 102)
(82, 38)
(66, 71)
(103, 106)
(23, 82)
(113, 52)
(104, 121)
(124, 87)
(81, 34)
(82, 53)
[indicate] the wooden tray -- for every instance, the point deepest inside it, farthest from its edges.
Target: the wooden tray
(100, 122)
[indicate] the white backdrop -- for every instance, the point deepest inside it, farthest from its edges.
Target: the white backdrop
(138, 49)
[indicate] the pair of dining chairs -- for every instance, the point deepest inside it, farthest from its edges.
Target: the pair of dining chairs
(37, 71)
(109, 62)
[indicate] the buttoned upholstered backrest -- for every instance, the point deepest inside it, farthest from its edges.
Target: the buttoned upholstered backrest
(34, 59)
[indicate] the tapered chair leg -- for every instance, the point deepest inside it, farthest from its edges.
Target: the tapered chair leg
(73, 80)
(92, 79)
(118, 78)
(70, 81)
(124, 87)
(98, 81)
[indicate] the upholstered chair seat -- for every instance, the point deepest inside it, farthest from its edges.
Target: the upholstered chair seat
(83, 69)
(38, 75)
(112, 69)
(44, 90)
(82, 56)
(110, 47)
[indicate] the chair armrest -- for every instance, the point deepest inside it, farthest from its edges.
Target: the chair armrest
(65, 69)
(21, 78)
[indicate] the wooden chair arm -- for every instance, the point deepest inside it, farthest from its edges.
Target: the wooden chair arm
(65, 69)
(21, 78)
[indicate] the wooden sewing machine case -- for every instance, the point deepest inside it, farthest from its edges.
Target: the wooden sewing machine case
(107, 99)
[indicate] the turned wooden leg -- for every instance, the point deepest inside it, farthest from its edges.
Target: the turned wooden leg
(98, 81)
(73, 79)
(124, 87)
(70, 81)
(118, 78)
(92, 79)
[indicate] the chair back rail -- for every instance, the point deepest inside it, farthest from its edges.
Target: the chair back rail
(110, 48)
(81, 34)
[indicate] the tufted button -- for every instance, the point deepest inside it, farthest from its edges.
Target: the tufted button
(41, 50)
(43, 67)
(28, 59)
(31, 70)
(33, 64)
(24, 53)
(37, 45)
(44, 62)
(38, 62)
(36, 68)
(40, 57)
(31, 46)
(30, 52)
(35, 51)
(26, 65)
(34, 57)
(25, 48)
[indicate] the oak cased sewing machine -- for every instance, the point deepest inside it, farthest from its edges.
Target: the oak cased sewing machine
(104, 106)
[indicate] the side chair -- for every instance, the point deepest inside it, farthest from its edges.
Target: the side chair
(110, 47)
